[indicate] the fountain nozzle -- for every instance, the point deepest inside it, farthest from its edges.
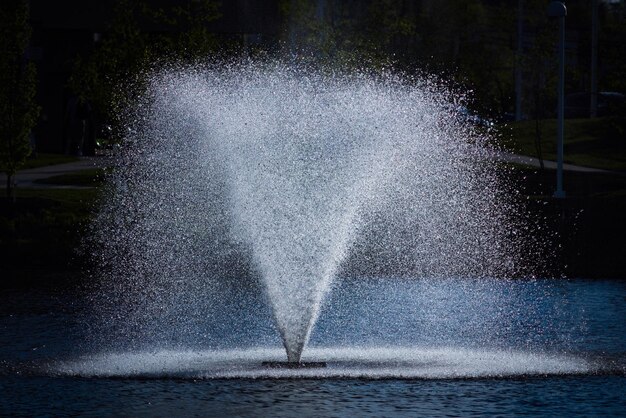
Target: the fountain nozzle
(294, 364)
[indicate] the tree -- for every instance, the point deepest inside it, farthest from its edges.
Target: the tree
(349, 34)
(100, 77)
(612, 47)
(18, 81)
(114, 73)
(186, 37)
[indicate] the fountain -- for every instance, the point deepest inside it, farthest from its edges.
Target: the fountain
(285, 176)
(354, 219)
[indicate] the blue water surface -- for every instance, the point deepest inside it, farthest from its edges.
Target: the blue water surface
(577, 317)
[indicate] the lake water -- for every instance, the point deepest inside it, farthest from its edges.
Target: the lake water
(393, 347)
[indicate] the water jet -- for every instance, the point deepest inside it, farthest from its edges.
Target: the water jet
(285, 177)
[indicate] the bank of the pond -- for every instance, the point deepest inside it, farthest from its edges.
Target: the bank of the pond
(41, 232)
(597, 142)
(587, 228)
(586, 234)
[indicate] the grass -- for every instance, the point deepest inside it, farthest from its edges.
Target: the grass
(599, 143)
(57, 196)
(40, 232)
(43, 159)
(536, 183)
(84, 178)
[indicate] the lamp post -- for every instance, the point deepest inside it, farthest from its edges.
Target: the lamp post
(557, 9)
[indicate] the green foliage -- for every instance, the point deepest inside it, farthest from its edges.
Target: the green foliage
(114, 73)
(42, 231)
(43, 159)
(102, 77)
(18, 83)
(539, 62)
(472, 43)
(613, 48)
(187, 37)
(84, 178)
(464, 41)
(345, 35)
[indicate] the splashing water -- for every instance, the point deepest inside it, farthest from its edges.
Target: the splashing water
(296, 175)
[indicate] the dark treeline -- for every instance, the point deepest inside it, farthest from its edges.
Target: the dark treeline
(502, 51)
(476, 44)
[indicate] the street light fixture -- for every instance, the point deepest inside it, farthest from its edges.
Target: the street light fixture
(557, 9)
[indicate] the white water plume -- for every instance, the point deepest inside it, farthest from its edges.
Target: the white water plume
(355, 363)
(304, 173)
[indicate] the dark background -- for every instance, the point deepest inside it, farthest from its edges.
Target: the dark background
(500, 55)
(479, 45)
